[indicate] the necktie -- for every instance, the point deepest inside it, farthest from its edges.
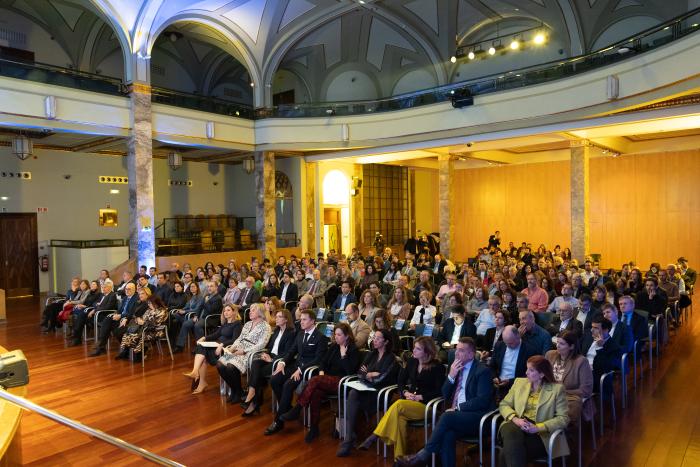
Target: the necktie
(422, 315)
(312, 288)
(458, 382)
(306, 338)
(628, 318)
(245, 297)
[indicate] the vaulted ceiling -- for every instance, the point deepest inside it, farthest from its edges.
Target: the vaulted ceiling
(390, 45)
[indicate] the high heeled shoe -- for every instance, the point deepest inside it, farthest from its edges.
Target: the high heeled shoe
(200, 390)
(255, 411)
(191, 375)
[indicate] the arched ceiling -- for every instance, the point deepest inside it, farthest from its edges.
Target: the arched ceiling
(387, 40)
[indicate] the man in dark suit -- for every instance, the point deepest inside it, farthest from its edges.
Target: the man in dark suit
(652, 298)
(423, 284)
(509, 360)
(143, 283)
(163, 289)
(308, 350)
(586, 312)
(345, 298)
(619, 333)
(127, 278)
(290, 291)
(453, 329)
(601, 351)
(578, 286)
(115, 323)
(689, 275)
(438, 268)
(468, 393)
(565, 321)
(108, 301)
(213, 305)
(634, 321)
(249, 295)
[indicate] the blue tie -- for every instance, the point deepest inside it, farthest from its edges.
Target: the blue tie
(125, 306)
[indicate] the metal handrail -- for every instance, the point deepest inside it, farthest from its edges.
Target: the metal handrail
(121, 444)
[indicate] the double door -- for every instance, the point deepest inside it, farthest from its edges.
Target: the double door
(19, 250)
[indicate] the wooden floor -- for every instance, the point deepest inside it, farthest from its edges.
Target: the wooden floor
(154, 409)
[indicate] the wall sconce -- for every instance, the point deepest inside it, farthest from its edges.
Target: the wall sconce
(174, 160)
(249, 165)
(22, 147)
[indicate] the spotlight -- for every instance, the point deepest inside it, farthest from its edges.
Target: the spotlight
(252, 84)
(540, 38)
(515, 44)
(453, 59)
(471, 55)
(492, 50)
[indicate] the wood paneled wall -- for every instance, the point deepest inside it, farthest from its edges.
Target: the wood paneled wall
(644, 208)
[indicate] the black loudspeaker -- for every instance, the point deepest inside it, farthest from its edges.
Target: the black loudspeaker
(462, 98)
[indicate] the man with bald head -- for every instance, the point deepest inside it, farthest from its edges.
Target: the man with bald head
(509, 359)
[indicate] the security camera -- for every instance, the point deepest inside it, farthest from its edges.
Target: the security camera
(67, 176)
(469, 145)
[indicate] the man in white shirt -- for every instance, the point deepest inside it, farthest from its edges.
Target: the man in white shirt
(587, 273)
(567, 296)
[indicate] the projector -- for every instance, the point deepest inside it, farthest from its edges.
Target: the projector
(13, 369)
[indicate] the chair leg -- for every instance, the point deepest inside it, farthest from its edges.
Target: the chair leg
(170, 349)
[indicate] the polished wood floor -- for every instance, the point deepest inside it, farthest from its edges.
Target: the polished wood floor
(154, 409)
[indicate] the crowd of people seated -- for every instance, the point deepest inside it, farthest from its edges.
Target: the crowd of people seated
(529, 332)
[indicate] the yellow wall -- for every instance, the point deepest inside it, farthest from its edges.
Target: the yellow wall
(644, 208)
(426, 200)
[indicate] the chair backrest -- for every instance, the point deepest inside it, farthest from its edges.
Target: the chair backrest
(544, 319)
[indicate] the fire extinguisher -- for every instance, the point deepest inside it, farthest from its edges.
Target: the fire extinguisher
(44, 263)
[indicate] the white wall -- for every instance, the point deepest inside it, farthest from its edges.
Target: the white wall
(351, 86)
(67, 263)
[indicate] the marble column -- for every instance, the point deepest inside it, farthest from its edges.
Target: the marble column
(358, 210)
(265, 210)
(140, 172)
(311, 194)
(445, 175)
(580, 183)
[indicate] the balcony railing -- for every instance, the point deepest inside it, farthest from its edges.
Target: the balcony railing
(204, 103)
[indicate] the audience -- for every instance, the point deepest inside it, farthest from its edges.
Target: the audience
(360, 329)
(572, 370)
(154, 316)
(602, 352)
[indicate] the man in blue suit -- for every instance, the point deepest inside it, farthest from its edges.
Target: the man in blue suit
(115, 323)
(345, 298)
(468, 393)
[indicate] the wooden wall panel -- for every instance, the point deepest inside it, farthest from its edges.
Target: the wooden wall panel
(644, 208)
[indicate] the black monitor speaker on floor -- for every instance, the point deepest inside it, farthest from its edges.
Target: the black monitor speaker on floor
(462, 98)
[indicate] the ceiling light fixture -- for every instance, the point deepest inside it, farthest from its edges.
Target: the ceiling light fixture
(453, 59)
(471, 55)
(174, 160)
(540, 38)
(22, 147)
(492, 50)
(249, 165)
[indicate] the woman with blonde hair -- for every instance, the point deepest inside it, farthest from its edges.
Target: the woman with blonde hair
(419, 382)
(399, 306)
(233, 362)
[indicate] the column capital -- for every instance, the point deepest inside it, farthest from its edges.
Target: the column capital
(142, 88)
(580, 143)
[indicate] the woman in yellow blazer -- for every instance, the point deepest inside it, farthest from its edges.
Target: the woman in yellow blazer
(534, 408)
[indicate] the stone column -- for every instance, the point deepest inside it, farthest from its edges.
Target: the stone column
(445, 170)
(580, 153)
(140, 171)
(265, 210)
(358, 209)
(310, 205)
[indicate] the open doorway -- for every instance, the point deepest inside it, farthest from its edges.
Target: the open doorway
(332, 228)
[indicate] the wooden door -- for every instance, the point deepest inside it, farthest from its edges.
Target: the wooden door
(19, 254)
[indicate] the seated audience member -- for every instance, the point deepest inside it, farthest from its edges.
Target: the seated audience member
(114, 323)
(478, 302)
(152, 276)
(399, 306)
(509, 359)
(688, 274)
(232, 362)
(368, 305)
(651, 298)
(156, 314)
(224, 336)
(178, 299)
(377, 371)
(450, 287)
(493, 335)
(454, 328)
(308, 350)
(163, 289)
(602, 352)
(78, 299)
(537, 297)
(370, 276)
(510, 305)
(272, 287)
(566, 297)
(409, 271)
(578, 287)
(634, 321)
(383, 320)
(425, 313)
(93, 296)
(288, 289)
(210, 305)
(533, 334)
(419, 382)
(50, 313)
(360, 329)
(619, 332)
(306, 302)
(669, 287)
(345, 297)
(468, 392)
(565, 321)
(143, 283)
(341, 359)
(232, 293)
(533, 409)
(572, 370)
(127, 277)
(487, 317)
(316, 288)
(281, 341)
(193, 304)
(249, 294)
(600, 298)
(586, 312)
(423, 284)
